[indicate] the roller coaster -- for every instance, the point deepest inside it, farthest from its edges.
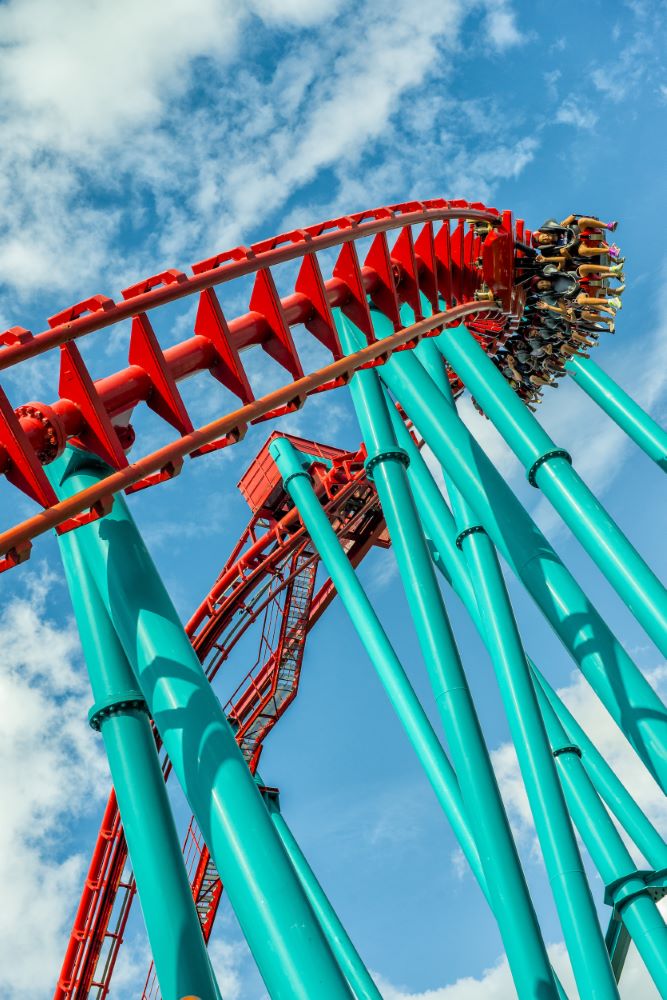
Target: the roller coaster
(445, 289)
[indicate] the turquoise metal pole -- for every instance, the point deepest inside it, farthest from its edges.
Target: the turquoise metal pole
(284, 936)
(296, 479)
(412, 716)
(346, 954)
(620, 685)
(549, 468)
(449, 560)
(574, 902)
(622, 408)
(626, 810)
(511, 901)
(626, 889)
(119, 713)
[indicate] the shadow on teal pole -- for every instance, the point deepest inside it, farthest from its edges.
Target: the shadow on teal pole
(284, 936)
(621, 407)
(626, 889)
(567, 878)
(511, 902)
(629, 698)
(172, 925)
(549, 468)
(346, 954)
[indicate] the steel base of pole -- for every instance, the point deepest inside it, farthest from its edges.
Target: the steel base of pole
(284, 936)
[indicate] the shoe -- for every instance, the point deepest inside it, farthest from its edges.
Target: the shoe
(611, 226)
(615, 302)
(615, 252)
(617, 269)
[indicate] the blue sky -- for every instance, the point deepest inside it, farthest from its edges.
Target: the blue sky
(136, 138)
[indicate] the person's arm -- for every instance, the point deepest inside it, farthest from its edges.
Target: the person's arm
(530, 251)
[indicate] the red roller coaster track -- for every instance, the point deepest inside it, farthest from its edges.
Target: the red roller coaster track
(445, 251)
(447, 265)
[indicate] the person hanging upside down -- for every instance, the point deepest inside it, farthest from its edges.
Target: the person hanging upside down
(602, 302)
(604, 270)
(588, 222)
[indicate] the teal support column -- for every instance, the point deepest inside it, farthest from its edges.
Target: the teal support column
(622, 408)
(449, 560)
(574, 902)
(549, 468)
(626, 693)
(119, 713)
(511, 901)
(296, 479)
(346, 954)
(626, 888)
(284, 936)
(626, 810)
(439, 771)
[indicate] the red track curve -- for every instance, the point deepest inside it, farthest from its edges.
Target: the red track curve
(446, 266)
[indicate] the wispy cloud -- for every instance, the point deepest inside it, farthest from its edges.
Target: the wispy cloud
(496, 983)
(53, 775)
(155, 143)
(573, 112)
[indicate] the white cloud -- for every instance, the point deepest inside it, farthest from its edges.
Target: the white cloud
(53, 775)
(299, 12)
(573, 112)
(82, 72)
(227, 959)
(500, 24)
(496, 983)
(139, 139)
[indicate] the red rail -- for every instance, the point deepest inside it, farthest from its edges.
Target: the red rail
(442, 265)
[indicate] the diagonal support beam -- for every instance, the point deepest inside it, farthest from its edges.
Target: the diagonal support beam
(284, 936)
(450, 562)
(626, 693)
(512, 905)
(621, 407)
(120, 715)
(343, 948)
(549, 468)
(563, 862)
